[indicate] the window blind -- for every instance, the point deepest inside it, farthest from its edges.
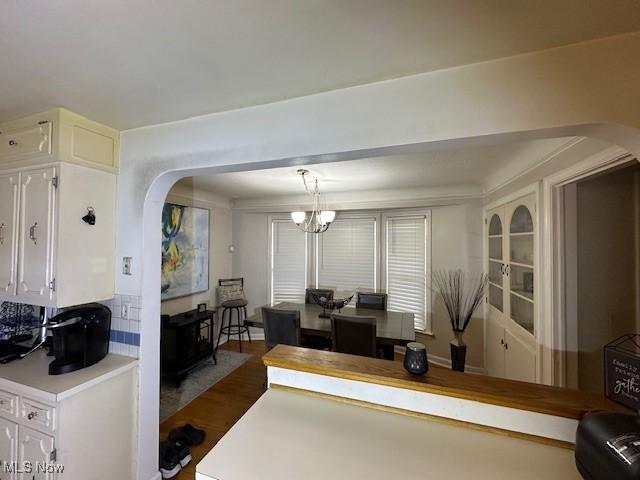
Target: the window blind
(407, 267)
(288, 262)
(346, 254)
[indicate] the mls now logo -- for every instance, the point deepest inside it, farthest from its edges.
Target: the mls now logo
(32, 467)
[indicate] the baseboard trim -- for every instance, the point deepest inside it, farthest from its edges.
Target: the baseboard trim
(245, 338)
(445, 362)
(157, 476)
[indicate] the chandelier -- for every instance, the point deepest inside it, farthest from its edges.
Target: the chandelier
(318, 220)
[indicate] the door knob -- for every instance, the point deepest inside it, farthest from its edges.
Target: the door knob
(12, 143)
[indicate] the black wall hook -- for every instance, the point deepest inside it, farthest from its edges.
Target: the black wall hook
(90, 217)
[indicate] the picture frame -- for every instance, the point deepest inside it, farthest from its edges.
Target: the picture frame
(185, 251)
(202, 307)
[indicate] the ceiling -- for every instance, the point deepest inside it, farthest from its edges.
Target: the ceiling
(477, 166)
(133, 63)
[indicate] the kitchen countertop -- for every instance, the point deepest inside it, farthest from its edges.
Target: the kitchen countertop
(295, 435)
(30, 375)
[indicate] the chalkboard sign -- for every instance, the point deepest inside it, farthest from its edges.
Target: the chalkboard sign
(622, 371)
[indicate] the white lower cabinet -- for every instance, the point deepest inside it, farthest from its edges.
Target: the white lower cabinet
(508, 355)
(8, 449)
(36, 455)
(88, 434)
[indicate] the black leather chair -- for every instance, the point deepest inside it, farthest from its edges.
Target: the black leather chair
(319, 292)
(354, 334)
(239, 306)
(281, 326)
(374, 301)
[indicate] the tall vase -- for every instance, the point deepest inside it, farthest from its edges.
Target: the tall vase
(458, 352)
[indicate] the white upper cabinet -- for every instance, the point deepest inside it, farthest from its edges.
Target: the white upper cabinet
(37, 207)
(9, 185)
(58, 135)
(23, 142)
(54, 168)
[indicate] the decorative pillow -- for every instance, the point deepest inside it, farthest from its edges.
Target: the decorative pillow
(229, 292)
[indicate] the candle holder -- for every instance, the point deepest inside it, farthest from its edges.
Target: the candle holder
(415, 359)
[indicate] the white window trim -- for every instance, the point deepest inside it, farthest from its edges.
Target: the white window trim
(426, 213)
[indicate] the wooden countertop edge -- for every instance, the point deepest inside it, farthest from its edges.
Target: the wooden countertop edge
(281, 356)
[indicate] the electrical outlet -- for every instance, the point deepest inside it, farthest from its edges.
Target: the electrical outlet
(124, 311)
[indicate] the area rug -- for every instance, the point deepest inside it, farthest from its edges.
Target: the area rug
(201, 378)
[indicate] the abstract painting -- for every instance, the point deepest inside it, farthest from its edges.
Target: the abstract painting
(185, 250)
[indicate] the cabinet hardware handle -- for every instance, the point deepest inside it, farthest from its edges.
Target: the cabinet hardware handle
(507, 270)
(502, 341)
(33, 233)
(12, 143)
(506, 346)
(502, 268)
(32, 415)
(2, 225)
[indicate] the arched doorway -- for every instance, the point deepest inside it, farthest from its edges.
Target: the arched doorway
(152, 207)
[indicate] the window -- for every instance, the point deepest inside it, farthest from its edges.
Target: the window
(407, 266)
(288, 254)
(389, 251)
(346, 254)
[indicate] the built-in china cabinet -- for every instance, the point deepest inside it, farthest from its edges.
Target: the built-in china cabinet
(512, 302)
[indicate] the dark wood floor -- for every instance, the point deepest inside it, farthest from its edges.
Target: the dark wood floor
(219, 408)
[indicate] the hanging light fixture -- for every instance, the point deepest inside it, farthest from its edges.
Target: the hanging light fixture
(318, 220)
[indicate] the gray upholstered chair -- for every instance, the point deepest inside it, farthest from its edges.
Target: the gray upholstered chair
(319, 292)
(373, 301)
(354, 334)
(281, 326)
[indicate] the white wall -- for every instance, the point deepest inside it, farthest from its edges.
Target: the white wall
(220, 231)
(587, 89)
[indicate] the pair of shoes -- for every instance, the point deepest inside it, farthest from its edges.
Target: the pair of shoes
(187, 435)
(173, 457)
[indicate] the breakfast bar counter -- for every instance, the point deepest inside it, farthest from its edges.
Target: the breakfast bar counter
(290, 434)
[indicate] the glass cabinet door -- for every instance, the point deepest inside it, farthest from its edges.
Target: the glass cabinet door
(521, 268)
(496, 261)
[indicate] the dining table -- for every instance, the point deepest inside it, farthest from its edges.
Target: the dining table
(392, 328)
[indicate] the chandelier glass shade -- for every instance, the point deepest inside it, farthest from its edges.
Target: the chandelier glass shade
(316, 221)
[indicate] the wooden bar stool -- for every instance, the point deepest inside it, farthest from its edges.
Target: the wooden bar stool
(232, 299)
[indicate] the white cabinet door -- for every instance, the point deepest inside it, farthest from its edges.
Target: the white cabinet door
(9, 185)
(520, 358)
(8, 449)
(495, 348)
(34, 450)
(37, 207)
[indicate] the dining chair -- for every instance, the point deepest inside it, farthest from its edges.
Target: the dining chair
(281, 327)
(373, 301)
(353, 334)
(318, 292)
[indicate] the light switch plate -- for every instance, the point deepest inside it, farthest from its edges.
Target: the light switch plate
(127, 265)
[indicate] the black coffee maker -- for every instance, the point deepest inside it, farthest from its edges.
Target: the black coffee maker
(80, 337)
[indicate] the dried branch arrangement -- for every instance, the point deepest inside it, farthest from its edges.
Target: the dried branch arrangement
(462, 295)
